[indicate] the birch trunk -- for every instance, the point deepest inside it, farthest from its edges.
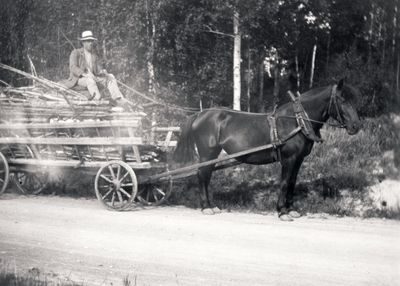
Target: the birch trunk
(103, 34)
(397, 72)
(370, 33)
(236, 62)
(328, 46)
(394, 31)
(277, 73)
(383, 44)
(261, 86)
(314, 52)
(151, 30)
(248, 79)
(296, 59)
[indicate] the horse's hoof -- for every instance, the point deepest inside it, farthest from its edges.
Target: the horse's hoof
(294, 214)
(216, 210)
(285, 217)
(207, 211)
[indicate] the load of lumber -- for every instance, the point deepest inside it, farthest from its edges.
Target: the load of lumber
(37, 104)
(48, 100)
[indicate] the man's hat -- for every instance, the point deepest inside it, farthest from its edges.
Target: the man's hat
(87, 36)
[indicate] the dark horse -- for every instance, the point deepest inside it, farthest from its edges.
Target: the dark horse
(213, 130)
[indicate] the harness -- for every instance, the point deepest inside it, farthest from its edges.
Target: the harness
(302, 118)
(303, 121)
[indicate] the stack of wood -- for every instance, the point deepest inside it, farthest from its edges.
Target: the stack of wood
(35, 104)
(47, 121)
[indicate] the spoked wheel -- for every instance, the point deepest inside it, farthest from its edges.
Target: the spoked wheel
(116, 185)
(154, 194)
(30, 183)
(4, 173)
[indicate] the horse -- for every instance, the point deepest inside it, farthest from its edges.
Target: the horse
(212, 130)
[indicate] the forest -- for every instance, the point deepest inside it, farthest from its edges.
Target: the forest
(205, 53)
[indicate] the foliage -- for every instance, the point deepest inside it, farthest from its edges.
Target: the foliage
(190, 47)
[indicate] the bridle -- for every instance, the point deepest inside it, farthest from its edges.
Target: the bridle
(333, 103)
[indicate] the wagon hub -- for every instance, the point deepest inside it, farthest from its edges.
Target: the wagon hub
(116, 183)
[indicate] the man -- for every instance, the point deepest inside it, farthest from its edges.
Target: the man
(85, 72)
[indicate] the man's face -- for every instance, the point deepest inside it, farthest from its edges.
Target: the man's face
(88, 45)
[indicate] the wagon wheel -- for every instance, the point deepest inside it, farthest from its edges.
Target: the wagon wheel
(116, 185)
(154, 194)
(30, 183)
(4, 173)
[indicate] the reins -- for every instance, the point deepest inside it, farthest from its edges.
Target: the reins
(315, 121)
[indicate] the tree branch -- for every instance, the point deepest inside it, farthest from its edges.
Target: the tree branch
(210, 30)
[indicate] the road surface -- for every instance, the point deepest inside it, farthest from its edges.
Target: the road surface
(79, 240)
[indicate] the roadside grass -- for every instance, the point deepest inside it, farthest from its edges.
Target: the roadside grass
(334, 179)
(10, 276)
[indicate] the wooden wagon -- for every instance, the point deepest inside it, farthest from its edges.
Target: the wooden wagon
(39, 135)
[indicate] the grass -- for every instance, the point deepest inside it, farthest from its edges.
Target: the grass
(10, 276)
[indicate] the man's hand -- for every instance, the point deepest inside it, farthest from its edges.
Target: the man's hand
(89, 74)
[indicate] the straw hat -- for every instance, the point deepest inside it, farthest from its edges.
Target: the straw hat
(87, 36)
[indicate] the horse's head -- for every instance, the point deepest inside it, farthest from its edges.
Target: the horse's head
(341, 107)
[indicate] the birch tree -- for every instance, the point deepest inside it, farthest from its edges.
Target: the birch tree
(236, 61)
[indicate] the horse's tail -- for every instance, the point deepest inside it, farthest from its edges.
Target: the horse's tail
(185, 150)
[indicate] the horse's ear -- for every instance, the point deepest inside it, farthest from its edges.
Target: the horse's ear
(340, 84)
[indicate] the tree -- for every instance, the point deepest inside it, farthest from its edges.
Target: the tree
(237, 59)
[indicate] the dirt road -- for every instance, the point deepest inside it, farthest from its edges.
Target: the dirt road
(77, 238)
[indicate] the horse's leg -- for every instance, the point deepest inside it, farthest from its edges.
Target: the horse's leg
(210, 193)
(204, 175)
(291, 187)
(289, 166)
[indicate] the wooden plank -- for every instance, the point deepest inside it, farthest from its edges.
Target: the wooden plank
(136, 153)
(170, 144)
(73, 141)
(135, 148)
(72, 163)
(166, 129)
(168, 139)
(189, 169)
(60, 125)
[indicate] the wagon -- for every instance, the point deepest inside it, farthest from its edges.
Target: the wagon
(115, 148)
(41, 133)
